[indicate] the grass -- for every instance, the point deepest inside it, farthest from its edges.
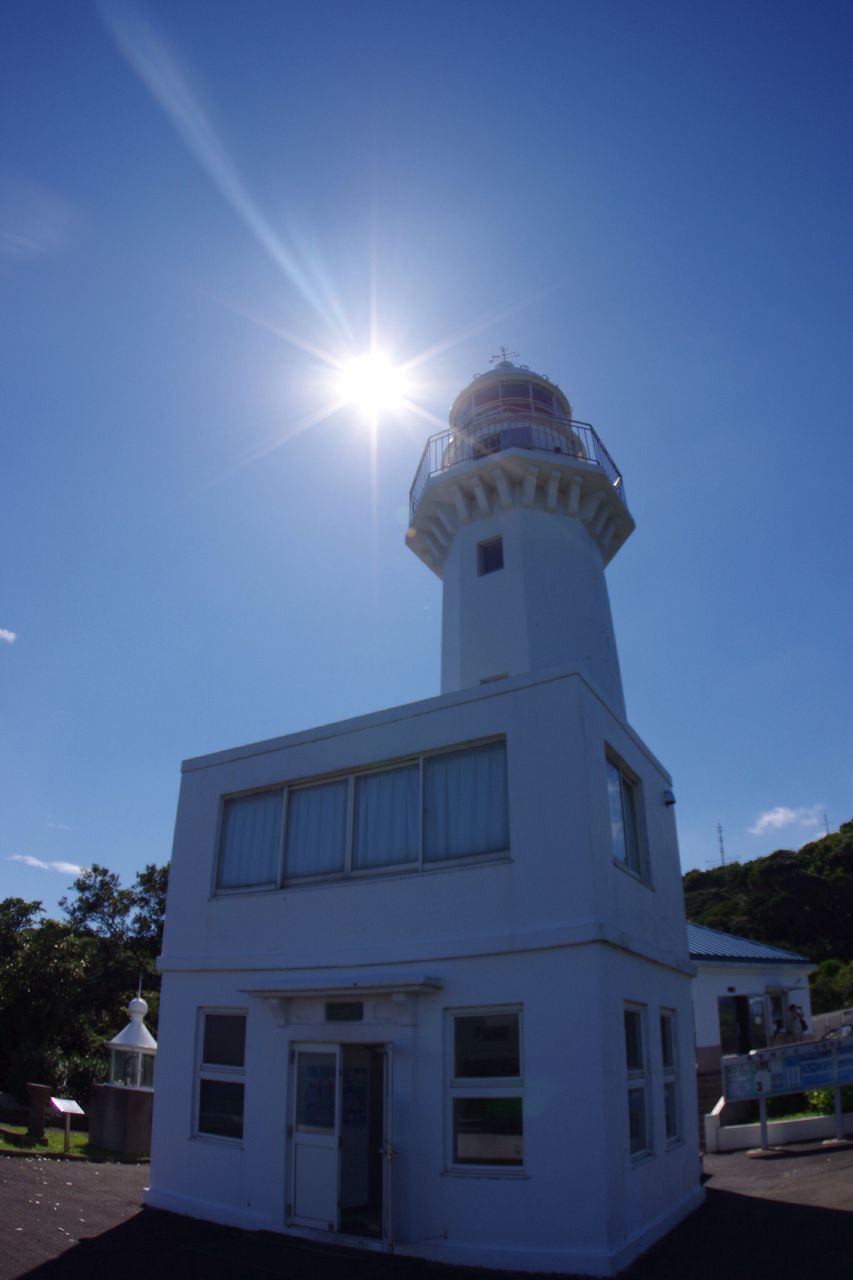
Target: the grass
(13, 1137)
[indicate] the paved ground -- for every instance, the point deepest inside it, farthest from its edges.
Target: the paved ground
(786, 1217)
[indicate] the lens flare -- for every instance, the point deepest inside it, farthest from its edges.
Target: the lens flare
(372, 383)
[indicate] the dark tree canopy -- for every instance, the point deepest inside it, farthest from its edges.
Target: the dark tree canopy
(64, 985)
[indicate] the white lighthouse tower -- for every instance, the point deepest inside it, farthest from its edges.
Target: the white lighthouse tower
(426, 981)
(518, 507)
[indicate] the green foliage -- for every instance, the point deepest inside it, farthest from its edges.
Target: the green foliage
(101, 907)
(15, 916)
(822, 1101)
(65, 985)
(832, 986)
(800, 901)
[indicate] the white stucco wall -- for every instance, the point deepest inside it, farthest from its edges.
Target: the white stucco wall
(553, 926)
(548, 605)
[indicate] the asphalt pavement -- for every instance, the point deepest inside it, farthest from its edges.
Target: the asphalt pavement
(790, 1215)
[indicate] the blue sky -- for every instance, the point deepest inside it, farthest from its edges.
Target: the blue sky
(647, 201)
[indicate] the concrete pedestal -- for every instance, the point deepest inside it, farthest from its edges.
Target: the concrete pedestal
(120, 1119)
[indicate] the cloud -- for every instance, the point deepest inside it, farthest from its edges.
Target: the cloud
(67, 868)
(59, 826)
(33, 222)
(784, 816)
(9, 636)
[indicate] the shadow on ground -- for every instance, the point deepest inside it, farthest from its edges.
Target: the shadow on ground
(735, 1236)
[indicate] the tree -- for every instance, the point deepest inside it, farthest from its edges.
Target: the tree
(15, 916)
(149, 901)
(64, 985)
(102, 907)
(801, 901)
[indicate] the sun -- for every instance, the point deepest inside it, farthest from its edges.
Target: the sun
(372, 383)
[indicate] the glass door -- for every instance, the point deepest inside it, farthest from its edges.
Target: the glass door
(315, 1137)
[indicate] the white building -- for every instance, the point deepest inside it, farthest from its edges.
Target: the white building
(426, 983)
(746, 995)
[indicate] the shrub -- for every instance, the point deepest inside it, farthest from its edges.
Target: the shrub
(822, 1101)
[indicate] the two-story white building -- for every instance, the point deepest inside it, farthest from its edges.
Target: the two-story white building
(426, 983)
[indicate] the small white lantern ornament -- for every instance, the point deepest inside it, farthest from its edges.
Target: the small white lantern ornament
(132, 1051)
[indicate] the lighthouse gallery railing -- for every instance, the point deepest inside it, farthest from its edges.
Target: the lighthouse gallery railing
(495, 433)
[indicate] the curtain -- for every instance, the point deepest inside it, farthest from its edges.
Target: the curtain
(465, 803)
(316, 830)
(250, 841)
(386, 818)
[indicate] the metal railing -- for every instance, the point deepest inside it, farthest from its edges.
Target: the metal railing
(497, 432)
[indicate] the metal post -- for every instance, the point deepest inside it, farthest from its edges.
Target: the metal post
(67, 1132)
(839, 1124)
(762, 1115)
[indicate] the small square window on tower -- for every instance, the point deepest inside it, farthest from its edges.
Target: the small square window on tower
(490, 556)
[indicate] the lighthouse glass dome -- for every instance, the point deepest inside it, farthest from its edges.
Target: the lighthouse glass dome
(509, 390)
(132, 1068)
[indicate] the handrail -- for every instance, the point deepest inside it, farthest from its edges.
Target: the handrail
(502, 430)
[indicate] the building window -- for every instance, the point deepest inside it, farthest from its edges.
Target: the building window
(669, 1059)
(465, 803)
(490, 556)
(250, 840)
(436, 808)
(637, 1071)
(486, 1088)
(221, 1075)
(623, 800)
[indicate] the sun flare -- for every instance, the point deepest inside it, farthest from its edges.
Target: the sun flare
(372, 383)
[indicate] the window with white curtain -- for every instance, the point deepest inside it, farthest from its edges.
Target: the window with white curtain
(465, 803)
(436, 808)
(316, 839)
(387, 818)
(250, 841)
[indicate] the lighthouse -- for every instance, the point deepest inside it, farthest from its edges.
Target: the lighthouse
(426, 983)
(518, 507)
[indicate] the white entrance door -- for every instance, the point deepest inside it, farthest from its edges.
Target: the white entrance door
(316, 1136)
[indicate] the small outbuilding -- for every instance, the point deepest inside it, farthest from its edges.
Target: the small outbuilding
(746, 995)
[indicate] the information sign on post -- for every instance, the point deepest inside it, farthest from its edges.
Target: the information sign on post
(767, 1073)
(67, 1107)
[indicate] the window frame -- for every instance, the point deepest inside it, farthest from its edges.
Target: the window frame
(479, 1088)
(348, 871)
(670, 1076)
(483, 549)
(630, 786)
(637, 1079)
(218, 1073)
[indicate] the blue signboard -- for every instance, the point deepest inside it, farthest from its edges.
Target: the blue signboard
(769, 1072)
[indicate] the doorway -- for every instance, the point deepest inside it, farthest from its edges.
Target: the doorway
(743, 1024)
(340, 1139)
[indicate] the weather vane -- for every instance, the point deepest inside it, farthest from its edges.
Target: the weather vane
(505, 356)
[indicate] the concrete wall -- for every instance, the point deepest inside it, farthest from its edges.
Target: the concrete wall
(580, 1203)
(552, 925)
(557, 881)
(744, 1137)
(548, 606)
